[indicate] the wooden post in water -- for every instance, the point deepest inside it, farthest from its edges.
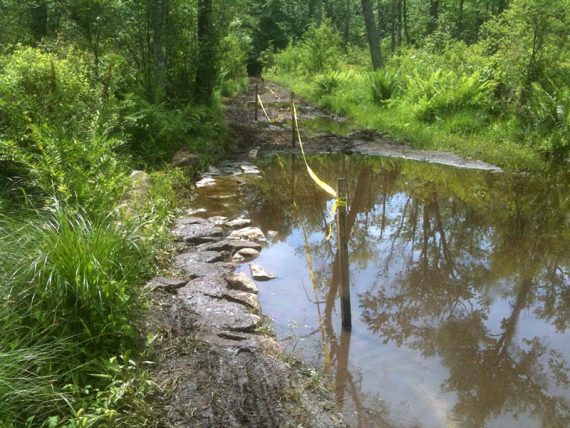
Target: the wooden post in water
(256, 101)
(342, 245)
(293, 122)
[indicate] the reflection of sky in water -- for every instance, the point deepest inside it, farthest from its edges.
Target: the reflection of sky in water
(405, 384)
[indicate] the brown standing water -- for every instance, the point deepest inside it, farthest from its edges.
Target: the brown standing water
(460, 284)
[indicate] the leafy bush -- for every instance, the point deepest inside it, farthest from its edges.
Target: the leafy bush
(384, 84)
(235, 49)
(83, 172)
(320, 49)
(328, 82)
(38, 87)
(548, 115)
(446, 92)
(288, 60)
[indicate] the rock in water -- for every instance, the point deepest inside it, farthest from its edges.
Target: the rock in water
(245, 254)
(259, 274)
(241, 282)
(248, 234)
(205, 182)
(239, 222)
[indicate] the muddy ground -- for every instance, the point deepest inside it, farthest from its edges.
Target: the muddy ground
(274, 135)
(217, 363)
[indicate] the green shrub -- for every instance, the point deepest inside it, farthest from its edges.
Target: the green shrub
(320, 49)
(447, 92)
(80, 277)
(547, 115)
(384, 84)
(85, 172)
(287, 61)
(38, 87)
(327, 83)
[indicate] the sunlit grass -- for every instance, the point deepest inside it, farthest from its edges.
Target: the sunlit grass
(464, 133)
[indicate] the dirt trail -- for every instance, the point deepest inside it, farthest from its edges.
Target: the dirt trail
(216, 364)
(274, 136)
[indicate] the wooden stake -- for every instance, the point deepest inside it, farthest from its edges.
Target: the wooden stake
(343, 256)
(256, 101)
(293, 127)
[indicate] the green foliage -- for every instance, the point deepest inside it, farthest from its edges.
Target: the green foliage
(234, 51)
(548, 115)
(327, 83)
(320, 49)
(445, 92)
(159, 131)
(38, 87)
(84, 272)
(70, 299)
(288, 60)
(83, 172)
(384, 85)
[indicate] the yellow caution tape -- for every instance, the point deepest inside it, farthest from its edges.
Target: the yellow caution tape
(263, 108)
(312, 173)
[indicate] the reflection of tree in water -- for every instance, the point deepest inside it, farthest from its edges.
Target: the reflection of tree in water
(439, 305)
(451, 237)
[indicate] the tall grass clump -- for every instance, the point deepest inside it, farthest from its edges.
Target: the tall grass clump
(70, 302)
(384, 85)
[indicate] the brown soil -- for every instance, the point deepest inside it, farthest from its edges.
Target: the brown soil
(274, 136)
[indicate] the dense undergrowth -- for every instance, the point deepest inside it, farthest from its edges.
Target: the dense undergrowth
(80, 232)
(479, 100)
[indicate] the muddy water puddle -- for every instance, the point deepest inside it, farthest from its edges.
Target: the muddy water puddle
(460, 284)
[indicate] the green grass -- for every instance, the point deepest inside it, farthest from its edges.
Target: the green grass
(464, 133)
(69, 304)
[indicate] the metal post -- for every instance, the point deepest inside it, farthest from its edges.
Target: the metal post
(343, 256)
(293, 126)
(256, 101)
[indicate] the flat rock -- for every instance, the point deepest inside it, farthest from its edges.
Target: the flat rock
(230, 245)
(245, 255)
(197, 233)
(247, 299)
(184, 221)
(250, 169)
(194, 211)
(198, 269)
(248, 234)
(242, 282)
(217, 287)
(258, 273)
(185, 157)
(167, 284)
(205, 182)
(221, 314)
(199, 257)
(213, 171)
(218, 220)
(212, 286)
(239, 222)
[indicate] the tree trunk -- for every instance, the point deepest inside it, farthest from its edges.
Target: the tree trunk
(405, 13)
(460, 23)
(347, 24)
(38, 19)
(372, 34)
(433, 16)
(206, 72)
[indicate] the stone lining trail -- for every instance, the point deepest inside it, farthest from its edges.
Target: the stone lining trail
(216, 365)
